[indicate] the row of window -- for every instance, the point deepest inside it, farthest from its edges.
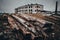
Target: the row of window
(31, 6)
(30, 10)
(25, 10)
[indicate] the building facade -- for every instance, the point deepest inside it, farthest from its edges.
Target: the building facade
(30, 8)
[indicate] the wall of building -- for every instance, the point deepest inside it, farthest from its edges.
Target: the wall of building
(10, 5)
(29, 8)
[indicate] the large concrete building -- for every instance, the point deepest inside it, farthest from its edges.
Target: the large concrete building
(30, 8)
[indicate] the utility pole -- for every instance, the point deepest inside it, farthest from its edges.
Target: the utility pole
(56, 7)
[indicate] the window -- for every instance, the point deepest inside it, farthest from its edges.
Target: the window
(35, 10)
(26, 7)
(30, 10)
(30, 6)
(25, 10)
(37, 6)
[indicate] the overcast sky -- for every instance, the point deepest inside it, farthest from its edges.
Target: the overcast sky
(9, 5)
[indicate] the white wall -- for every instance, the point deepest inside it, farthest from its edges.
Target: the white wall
(10, 5)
